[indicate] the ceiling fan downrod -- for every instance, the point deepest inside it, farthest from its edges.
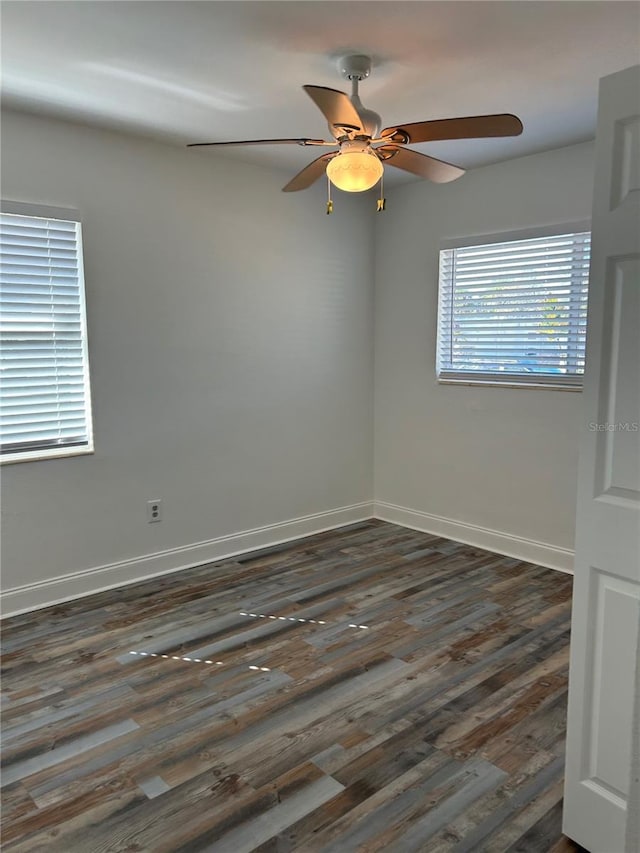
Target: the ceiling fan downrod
(356, 68)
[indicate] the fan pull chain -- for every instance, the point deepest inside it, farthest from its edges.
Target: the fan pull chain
(382, 202)
(329, 201)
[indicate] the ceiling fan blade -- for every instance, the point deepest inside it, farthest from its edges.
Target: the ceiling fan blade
(309, 174)
(420, 164)
(336, 107)
(473, 127)
(263, 142)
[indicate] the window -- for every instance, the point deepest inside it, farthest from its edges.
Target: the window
(514, 311)
(45, 407)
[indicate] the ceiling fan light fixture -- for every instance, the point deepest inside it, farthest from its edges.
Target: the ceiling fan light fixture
(355, 171)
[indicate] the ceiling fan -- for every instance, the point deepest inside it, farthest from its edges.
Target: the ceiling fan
(362, 148)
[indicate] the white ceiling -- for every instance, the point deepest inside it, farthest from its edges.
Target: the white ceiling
(207, 71)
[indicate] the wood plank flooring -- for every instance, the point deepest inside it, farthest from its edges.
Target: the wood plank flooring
(367, 689)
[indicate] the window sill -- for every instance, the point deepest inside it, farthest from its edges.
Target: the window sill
(510, 383)
(43, 455)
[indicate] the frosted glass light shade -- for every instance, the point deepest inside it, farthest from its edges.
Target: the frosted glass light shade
(354, 171)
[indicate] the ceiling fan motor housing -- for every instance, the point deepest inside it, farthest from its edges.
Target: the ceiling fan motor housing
(371, 121)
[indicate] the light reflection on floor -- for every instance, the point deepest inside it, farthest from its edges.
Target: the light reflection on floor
(193, 660)
(297, 619)
(253, 668)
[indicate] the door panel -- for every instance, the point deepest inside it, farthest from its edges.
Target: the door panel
(606, 601)
(617, 457)
(615, 620)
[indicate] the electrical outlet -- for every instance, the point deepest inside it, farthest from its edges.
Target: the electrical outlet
(154, 510)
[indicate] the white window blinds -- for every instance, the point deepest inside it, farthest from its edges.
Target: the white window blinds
(44, 372)
(514, 312)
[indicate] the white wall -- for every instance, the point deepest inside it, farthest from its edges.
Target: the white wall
(491, 458)
(230, 339)
(231, 347)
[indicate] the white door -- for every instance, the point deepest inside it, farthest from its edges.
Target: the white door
(606, 601)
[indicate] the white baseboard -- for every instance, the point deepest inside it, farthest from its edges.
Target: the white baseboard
(87, 582)
(528, 550)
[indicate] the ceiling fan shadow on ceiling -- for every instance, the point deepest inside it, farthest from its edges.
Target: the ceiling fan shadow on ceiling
(363, 149)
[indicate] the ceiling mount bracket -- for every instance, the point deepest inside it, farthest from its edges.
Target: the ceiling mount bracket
(355, 66)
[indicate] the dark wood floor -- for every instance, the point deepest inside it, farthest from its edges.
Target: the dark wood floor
(243, 706)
